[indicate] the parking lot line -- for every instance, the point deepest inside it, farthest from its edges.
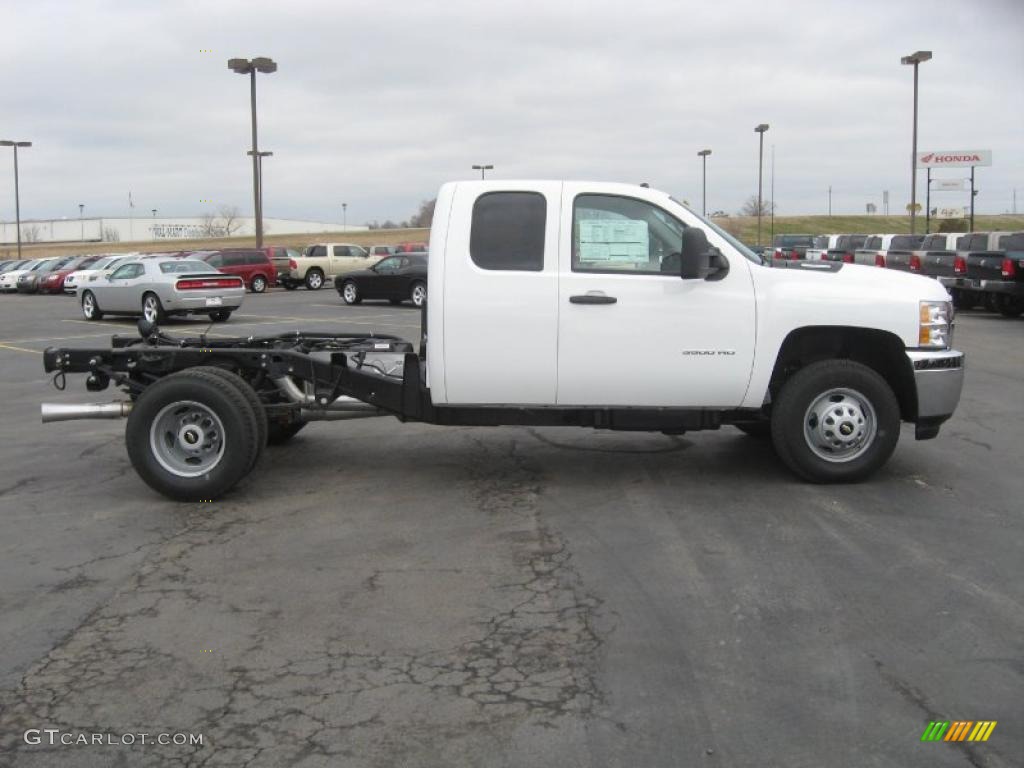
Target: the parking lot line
(20, 349)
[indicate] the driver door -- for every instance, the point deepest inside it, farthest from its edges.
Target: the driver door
(631, 331)
(119, 292)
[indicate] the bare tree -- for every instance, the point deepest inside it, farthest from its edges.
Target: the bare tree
(425, 215)
(229, 220)
(111, 235)
(210, 227)
(30, 234)
(750, 207)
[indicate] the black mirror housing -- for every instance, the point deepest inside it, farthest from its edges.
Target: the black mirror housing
(695, 258)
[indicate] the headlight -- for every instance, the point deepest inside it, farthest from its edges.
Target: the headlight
(936, 325)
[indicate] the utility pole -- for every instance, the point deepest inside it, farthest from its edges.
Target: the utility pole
(973, 194)
(703, 154)
(829, 199)
(772, 203)
(915, 58)
(759, 129)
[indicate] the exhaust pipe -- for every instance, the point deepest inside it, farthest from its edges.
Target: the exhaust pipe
(344, 404)
(70, 411)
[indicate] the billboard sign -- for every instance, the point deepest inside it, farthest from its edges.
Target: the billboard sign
(964, 158)
(951, 213)
(948, 185)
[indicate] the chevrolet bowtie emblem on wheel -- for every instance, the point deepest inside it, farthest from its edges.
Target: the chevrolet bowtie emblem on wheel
(958, 730)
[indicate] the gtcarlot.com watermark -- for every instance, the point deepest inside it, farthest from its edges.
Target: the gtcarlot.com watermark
(54, 737)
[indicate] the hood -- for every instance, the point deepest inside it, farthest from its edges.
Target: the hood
(851, 283)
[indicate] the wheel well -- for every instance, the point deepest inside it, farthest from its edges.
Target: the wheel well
(881, 351)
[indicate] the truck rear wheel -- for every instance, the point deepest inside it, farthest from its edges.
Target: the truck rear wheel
(835, 421)
(192, 436)
(250, 396)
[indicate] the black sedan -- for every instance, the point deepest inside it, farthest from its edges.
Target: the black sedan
(397, 278)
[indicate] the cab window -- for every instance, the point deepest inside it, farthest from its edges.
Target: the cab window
(507, 232)
(126, 272)
(622, 234)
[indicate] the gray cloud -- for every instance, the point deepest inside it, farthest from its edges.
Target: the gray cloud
(377, 104)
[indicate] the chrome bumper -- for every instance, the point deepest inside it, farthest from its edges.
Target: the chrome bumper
(939, 379)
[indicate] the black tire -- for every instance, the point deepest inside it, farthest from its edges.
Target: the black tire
(258, 284)
(809, 386)
(314, 279)
(221, 315)
(991, 301)
(240, 443)
(350, 292)
(759, 429)
(418, 294)
(288, 285)
(152, 308)
(964, 299)
(251, 397)
(93, 313)
(279, 432)
(1011, 306)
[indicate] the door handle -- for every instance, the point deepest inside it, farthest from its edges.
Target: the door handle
(592, 298)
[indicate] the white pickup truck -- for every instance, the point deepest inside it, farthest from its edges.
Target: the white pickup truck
(563, 303)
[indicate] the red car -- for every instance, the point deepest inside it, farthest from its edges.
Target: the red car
(252, 265)
(411, 248)
(53, 282)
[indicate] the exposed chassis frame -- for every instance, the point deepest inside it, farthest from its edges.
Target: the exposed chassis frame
(324, 362)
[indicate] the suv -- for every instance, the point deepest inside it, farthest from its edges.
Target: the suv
(252, 265)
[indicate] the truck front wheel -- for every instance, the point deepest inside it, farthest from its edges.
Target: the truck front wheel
(314, 279)
(192, 436)
(835, 421)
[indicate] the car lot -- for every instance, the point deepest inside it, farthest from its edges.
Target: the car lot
(380, 594)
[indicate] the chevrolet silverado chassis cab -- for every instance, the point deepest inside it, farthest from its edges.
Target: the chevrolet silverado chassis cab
(561, 304)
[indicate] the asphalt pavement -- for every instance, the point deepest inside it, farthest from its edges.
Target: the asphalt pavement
(387, 594)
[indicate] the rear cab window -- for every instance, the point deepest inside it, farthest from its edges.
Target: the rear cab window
(507, 231)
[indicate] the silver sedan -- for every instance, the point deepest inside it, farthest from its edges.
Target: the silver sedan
(156, 288)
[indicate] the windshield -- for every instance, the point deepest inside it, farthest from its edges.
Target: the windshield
(744, 250)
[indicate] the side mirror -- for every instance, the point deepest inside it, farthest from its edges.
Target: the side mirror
(695, 259)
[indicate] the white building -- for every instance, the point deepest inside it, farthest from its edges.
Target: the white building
(150, 229)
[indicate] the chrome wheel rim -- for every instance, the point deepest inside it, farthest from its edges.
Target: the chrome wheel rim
(315, 281)
(419, 295)
(149, 309)
(187, 439)
(88, 306)
(350, 292)
(259, 285)
(840, 425)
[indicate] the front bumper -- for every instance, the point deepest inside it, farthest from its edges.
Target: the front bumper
(938, 379)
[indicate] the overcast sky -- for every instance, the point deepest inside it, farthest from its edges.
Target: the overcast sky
(377, 103)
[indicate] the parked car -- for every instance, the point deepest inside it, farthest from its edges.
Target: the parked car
(28, 282)
(939, 264)
(903, 260)
(102, 267)
(156, 288)
(53, 282)
(844, 248)
(9, 278)
(791, 246)
(251, 264)
(990, 273)
(411, 248)
(322, 261)
(398, 278)
(875, 250)
(9, 266)
(819, 246)
(380, 251)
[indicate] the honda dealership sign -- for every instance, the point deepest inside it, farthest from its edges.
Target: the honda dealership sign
(954, 159)
(958, 212)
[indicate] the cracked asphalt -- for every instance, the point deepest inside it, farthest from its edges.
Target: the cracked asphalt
(380, 594)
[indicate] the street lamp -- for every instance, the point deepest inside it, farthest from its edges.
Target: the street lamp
(81, 221)
(154, 212)
(915, 59)
(703, 155)
(251, 67)
(344, 216)
(17, 202)
(483, 169)
(759, 129)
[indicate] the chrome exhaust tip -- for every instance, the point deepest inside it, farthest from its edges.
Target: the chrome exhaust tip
(51, 412)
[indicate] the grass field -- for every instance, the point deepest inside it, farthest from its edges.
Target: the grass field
(745, 227)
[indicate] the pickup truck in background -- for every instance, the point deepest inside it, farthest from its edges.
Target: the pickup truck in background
(819, 246)
(875, 251)
(949, 264)
(910, 261)
(844, 248)
(994, 276)
(791, 246)
(323, 261)
(583, 304)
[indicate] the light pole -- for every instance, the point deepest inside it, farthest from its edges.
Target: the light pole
(703, 155)
(759, 129)
(915, 59)
(483, 170)
(344, 216)
(259, 175)
(251, 67)
(81, 221)
(17, 202)
(154, 212)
